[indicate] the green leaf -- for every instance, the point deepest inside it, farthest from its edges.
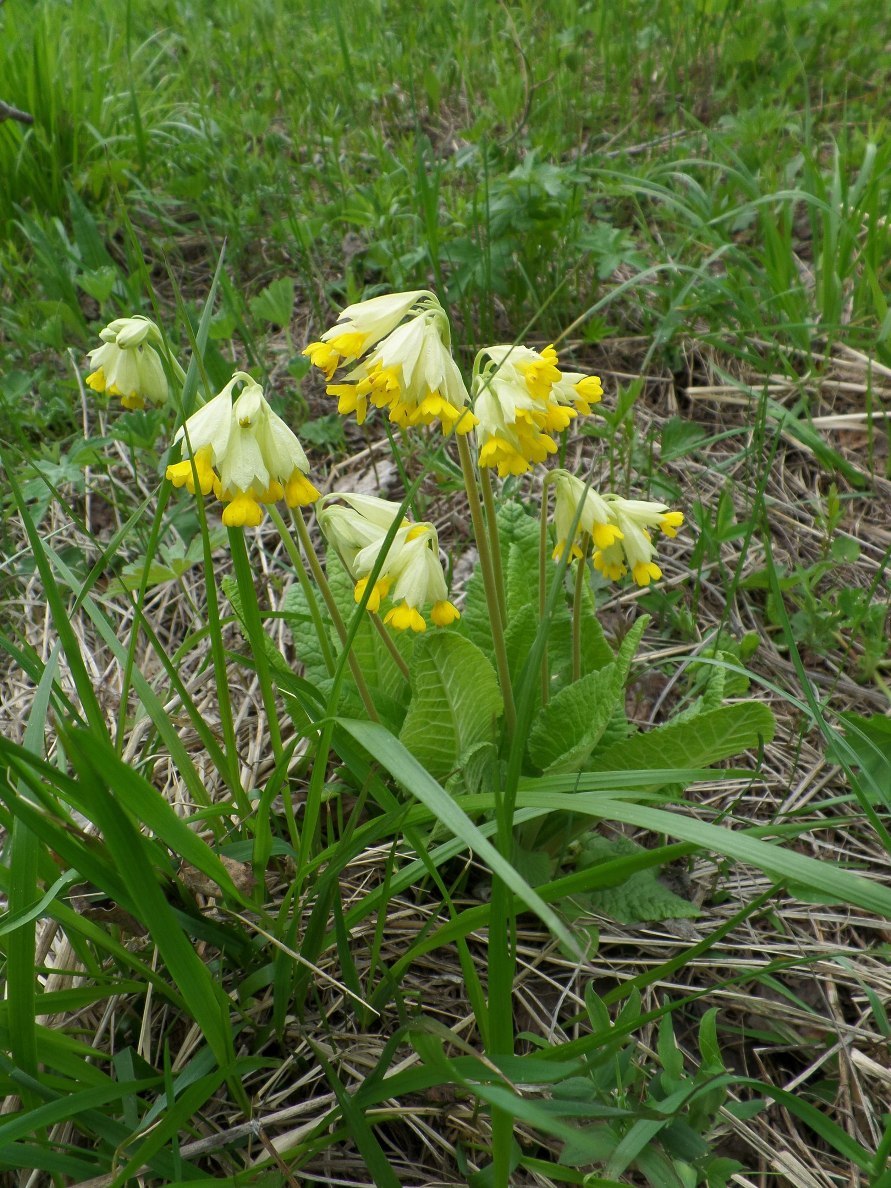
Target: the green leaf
(568, 728)
(870, 740)
(472, 769)
(710, 737)
(779, 862)
(275, 303)
(455, 701)
(274, 657)
(306, 642)
(643, 896)
(402, 765)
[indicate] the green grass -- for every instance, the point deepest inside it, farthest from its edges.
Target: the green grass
(690, 191)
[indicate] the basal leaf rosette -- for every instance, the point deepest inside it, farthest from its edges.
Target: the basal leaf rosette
(521, 399)
(127, 364)
(411, 576)
(400, 345)
(243, 452)
(620, 529)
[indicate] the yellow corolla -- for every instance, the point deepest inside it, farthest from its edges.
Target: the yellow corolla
(411, 575)
(407, 367)
(521, 398)
(245, 453)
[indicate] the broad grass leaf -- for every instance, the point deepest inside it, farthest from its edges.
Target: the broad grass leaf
(455, 701)
(392, 754)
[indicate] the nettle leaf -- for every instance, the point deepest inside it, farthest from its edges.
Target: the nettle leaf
(708, 738)
(569, 727)
(455, 701)
(643, 896)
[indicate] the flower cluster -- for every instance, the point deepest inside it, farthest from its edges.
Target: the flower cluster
(243, 452)
(411, 575)
(407, 367)
(619, 528)
(521, 398)
(127, 364)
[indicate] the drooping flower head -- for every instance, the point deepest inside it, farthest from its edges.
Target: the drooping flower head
(411, 575)
(596, 517)
(620, 529)
(244, 453)
(521, 398)
(127, 363)
(407, 366)
(636, 518)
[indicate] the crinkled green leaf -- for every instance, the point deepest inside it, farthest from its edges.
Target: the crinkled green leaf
(455, 701)
(710, 737)
(568, 728)
(643, 896)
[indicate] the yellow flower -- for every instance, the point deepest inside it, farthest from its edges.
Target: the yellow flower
(521, 398)
(596, 518)
(127, 364)
(411, 575)
(244, 453)
(407, 367)
(619, 528)
(636, 518)
(359, 327)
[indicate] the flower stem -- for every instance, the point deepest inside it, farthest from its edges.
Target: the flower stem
(581, 574)
(305, 585)
(391, 646)
(253, 624)
(542, 580)
(495, 543)
(489, 584)
(322, 582)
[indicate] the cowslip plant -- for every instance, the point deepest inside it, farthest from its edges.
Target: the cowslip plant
(488, 719)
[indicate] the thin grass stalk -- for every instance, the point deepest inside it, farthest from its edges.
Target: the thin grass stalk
(339, 626)
(253, 623)
(489, 584)
(312, 808)
(305, 585)
(494, 541)
(577, 609)
(542, 580)
(390, 644)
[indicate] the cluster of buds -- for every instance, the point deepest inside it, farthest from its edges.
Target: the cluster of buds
(407, 366)
(411, 574)
(243, 452)
(620, 529)
(127, 364)
(521, 398)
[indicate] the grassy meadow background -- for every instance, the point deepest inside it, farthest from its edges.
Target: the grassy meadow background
(690, 197)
